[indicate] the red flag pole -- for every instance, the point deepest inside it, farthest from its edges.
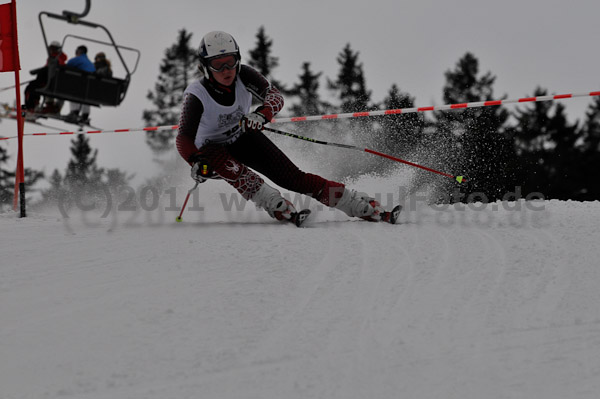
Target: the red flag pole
(20, 173)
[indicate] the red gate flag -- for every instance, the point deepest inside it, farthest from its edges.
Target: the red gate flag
(9, 55)
(9, 61)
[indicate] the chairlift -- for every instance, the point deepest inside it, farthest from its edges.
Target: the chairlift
(72, 84)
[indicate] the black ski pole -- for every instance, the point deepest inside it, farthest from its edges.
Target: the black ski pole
(459, 179)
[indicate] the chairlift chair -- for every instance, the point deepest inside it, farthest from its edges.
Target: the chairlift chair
(72, 84)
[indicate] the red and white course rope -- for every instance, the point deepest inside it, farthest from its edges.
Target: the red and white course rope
(346, 115)
(433, 108)
(141, 129)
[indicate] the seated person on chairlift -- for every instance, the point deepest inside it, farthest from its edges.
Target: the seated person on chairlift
(80, 61)
(103, 65)
(55, 55)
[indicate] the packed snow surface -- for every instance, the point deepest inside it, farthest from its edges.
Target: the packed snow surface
(496, 300)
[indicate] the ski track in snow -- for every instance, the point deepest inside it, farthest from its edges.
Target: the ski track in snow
(449, 304)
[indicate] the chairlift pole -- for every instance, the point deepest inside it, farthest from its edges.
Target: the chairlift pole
(68, 16)
(73, 17)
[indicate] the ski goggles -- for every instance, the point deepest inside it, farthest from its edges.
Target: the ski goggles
(222, 63)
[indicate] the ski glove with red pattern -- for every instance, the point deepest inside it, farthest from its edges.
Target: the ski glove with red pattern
(254, 121)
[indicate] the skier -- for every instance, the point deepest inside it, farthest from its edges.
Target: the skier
(220, 138)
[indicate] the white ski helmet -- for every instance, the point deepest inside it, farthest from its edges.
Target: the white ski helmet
(217, 44)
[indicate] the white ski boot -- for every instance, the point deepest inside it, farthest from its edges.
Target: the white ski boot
(357, 204)
(278, 207)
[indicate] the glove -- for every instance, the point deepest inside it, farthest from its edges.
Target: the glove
(253, 121)
(201, 170)
(196, 173)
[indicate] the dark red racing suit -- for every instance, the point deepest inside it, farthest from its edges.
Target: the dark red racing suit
(252, 151)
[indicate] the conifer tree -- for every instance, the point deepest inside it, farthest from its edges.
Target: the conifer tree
(307, 92)
(260, 58)
(7, 180)
(83, 173)
(590, 156)
(56, 190)
(549, 148)
(350, 89)
(177, 70)
(350, 82)
(530, 139)
(565, 156)
(591, 127)
(6, 177)
(83, 178)
(307, 101)
(397, 135)
(400, 133)
(475, 141)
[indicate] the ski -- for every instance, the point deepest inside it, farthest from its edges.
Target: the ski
(298, 218)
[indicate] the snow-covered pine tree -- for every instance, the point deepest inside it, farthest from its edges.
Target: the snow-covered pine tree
(260, 58)
(307, 101)
(350, 89)
(349, 84)
(178, 69)
(307, 93)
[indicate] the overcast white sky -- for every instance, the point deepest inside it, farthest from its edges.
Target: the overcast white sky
(524, 43)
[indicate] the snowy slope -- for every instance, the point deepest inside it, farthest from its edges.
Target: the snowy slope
(453, 303)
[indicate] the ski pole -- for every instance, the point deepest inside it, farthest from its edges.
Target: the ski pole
(187, 197)
(459, 179)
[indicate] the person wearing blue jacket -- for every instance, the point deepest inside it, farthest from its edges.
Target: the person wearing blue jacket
(80, 61)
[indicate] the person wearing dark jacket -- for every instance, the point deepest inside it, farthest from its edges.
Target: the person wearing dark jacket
(102, 65)
(55, 56)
